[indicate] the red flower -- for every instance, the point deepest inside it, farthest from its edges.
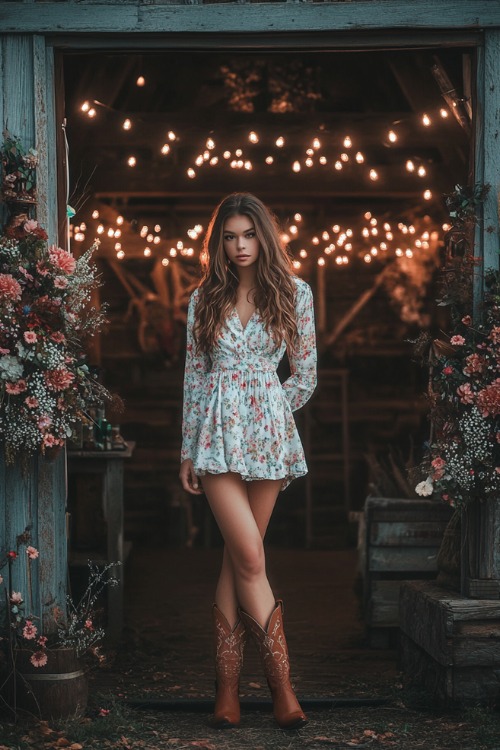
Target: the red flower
(448, 370)
(12, 555)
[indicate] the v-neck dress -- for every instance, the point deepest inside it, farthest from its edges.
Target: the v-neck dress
(237, 416)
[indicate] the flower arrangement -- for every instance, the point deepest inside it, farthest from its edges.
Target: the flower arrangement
(45, 315)
(462, 458)
(76, 628)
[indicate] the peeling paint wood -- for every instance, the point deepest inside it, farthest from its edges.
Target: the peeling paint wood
(45, 135)
(491, 140)
(136, 17)
(17, 87)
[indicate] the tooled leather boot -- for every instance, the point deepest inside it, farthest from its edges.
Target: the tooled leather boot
(229, 647)
(273, 650)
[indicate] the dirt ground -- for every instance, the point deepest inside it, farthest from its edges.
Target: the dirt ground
(164, 664)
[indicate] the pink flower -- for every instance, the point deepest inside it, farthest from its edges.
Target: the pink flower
(12, 555)
(447, 370)
(488, 400)
(457, 340)
(4, 351)
(30, 225)
(438, 463)
(467, 320)
(15, 388)
(42, 641)
(475, 363)
(60, 282)
(103, 711)
(50, 440)
(29, 631)
(30, 337)
(9, 287)
(495, 335)
(58, 380)
(16, 597)
(62, 259)
(31, 402)
(32, 552)
(44, 421)
(465, 394)
(41, 268)
(25, 273)
(88, 625)
(39, 659)
(58, 337)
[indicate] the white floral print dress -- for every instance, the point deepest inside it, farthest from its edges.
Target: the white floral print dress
(237, 416)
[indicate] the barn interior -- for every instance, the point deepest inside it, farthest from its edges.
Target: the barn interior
(354, 151)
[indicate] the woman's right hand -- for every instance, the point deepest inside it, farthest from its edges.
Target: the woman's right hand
(189, 480)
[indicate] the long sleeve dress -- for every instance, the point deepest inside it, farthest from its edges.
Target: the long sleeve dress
(237, 416)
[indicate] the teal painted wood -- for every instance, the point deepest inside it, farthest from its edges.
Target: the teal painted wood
(32, 499)
(491, 141)
(45, 135)
(17, 87)
(137, 17)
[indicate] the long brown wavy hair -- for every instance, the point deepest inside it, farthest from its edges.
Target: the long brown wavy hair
(275, 285)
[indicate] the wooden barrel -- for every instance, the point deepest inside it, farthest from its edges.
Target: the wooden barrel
(57, 690)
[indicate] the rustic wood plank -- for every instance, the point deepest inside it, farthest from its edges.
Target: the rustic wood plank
(407, 534)
(424, 618)
(45, 135)
(405, 559)
(492, 176)
(384, 604)
(17, 86)
(119, 17)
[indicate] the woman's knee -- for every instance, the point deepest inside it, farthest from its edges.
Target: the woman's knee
(249, 560)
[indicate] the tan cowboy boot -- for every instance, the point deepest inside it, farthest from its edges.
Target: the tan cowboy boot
(229, 646)
(273, 651)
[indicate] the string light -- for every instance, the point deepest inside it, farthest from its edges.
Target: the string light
(147, 252)
(269, 159)
(373, 174)
(149, 238)
(296, 264)
(165, 149)
(79, 236)
(95, 214)
(426, 120)
(444, 113)
(410, 166)
(392, 136)
(165, 261)
(171, 135)
(322, 160)
(344, 157)
(127, 124)
(280, 141)
(100, 229)
(111, 232)
(399, 252)
(315, 240)
(210, 144)
(309, 162)
(409, 252)
(85, 107)
(191, 173)
(303, 253)
(117, 233)
(347, 142)
(359, 157)
(321, 261)
(338, 165)
(427, 195)
(120, 254)
(118, 245)
(141, 81)
(226, 154)
(172, 252)
(296, 166)
(92, 113)
(316, 143)
(421, 171)
(131, 161)
(119, 220)
(157, 240)
(297, 217)
(367, 258)
(293, 229)
(253, 137)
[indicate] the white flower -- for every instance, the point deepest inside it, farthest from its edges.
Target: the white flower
(424, 489)
(11, 368)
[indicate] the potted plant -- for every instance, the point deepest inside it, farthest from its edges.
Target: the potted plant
(43, 668)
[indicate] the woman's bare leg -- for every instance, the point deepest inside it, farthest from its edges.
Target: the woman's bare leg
(233, 504)
(262, 496)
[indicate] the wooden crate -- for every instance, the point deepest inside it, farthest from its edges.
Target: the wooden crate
(402, 540)
(451, 644)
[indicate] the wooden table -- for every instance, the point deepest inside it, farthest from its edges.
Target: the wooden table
(109, 464)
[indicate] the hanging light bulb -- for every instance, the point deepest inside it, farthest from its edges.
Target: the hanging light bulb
(315, 240)
(191, 173)
(248, 165)
(303, 253)
(316, 143)
(120, 254)
(147, 252)
(389, 236)
(253, 137)
(310, 152)
(321, 261)
(398, 252)
(118, 245)
(421, 171)
(199, 160)
(100, 229)
(119, 220)
(373, 221)
(338, 165)
(210, 144)
(297, 217)
(118, 233)
(374, 251)
(365, 232)
(127, 124)
(165, 149)
(92, 112)
(336, 228)
(293, 229)
(269, 159)
(359, 157)
(149, 238)
(95, 214)
(131, 161)
(410, 166)
(296, 166)
(79, 236)
(144, 231)
(373, 175)
(111, 232)
(338, 260)
(427, 195)
(157, 240)
(322, 160)
(309, 162)
(367, 258)
(85, 107)
(348, 232)
(172, 252)
(325, 236)
(409, 252)
(444, 113)
(391, 135)
(280, 141)
(238, 152)
(141, 81)
(214, 160)
(165, 261)
(296, 264)
(226, 154)
(347, 142)
(344, 157)
(426, 120)
(171, 135)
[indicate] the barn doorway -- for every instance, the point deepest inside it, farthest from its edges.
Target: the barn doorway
(353, 150)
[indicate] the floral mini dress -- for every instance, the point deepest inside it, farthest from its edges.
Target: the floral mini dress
(237, 416)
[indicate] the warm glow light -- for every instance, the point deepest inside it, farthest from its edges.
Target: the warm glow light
(303, 253)
(92, 113)
(325, 236)
(253, 137)
(411, 229)
(348, 246)
(365, 232)
(120, 254)
(296, 264)
(119, 220)
(118, 245)
(336, 228)
(165, 261)
(297, 217)
(373, 174)
(347, 142)
(296, 166)
(348, 232)
(131, 161)
(322, 160)
(199, 160)
(398, 252)
(210, 144)
(248, 165)
(444, 113)
(118, 233)
(310, 152)
(100, 229)
(165, 149)
(338, 165)
(141, 81)
(83, 226)
(95, 214)
(149, 238)
(198, 228)
(85, 107)
(172, 252)
(309, 162)
(127, 124)
(293, 229)
(387, 226)
(191, 173)
(383, 246)
(214, 160)
(111, 232)
(157, 240)
(392, 136)
(389, 236)
(171, 135)
(285, 238)
(321, 261)
(367, 258)
(427, 195)
(79, 236)
(446, 227)
(339, 260)
(374, 231)
(373, 221)
(226, 154)
(421, 171)
(316, 143)
(344, 157)
(410, 166)
(280, 142)
(315, 240)
(368, 215)
(374, 251)
(269, 159)
(359, 157)
(426, 120)
(409, 252)
(147, 252)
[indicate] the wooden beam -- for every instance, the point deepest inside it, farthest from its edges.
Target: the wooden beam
(135, 17)
(491, 142)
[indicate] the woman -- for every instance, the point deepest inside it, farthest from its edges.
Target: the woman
(239, 435)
